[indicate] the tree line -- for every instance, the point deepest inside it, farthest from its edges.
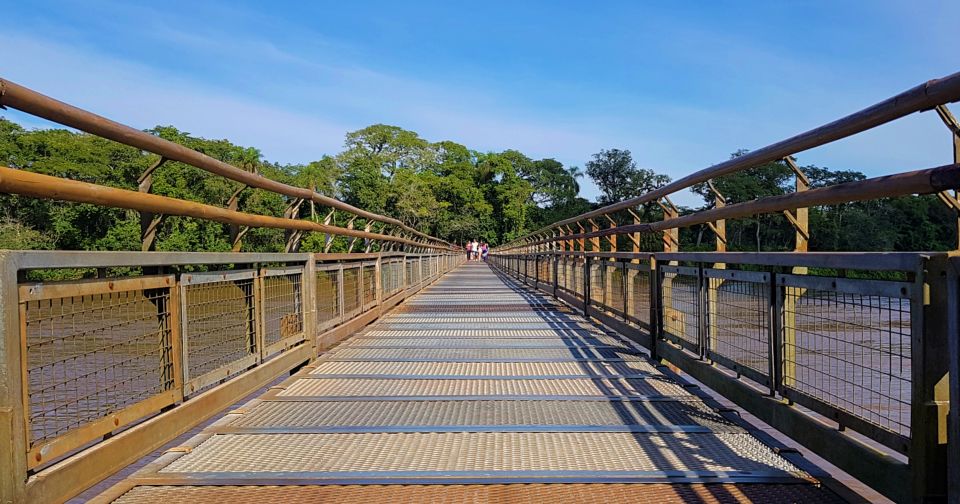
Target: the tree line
(441, 188)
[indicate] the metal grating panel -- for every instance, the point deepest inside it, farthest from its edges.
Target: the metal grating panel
(483, 368)
(477, 343)
(347, 387)
(480, 451)
(532, 413)
(515, 392)
(450, 354)
(428, 330)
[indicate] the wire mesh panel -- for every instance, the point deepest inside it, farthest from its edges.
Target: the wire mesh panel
(846, 352)
(93, 349)
(543, 269)
(389, 277)
(563, 273)
(282, 305)
(598, 281)
(351, 291)
(681, 301)
(616, 299)
(409, 264)
(368, 272)
(577, 277)
(738, 334)
(638, 286)
(328, 296)
(219, 325)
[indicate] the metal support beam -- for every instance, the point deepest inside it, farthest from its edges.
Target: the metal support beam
(293, 235)
(149, 222)
(954, 126)
(328, 238)
(236, 232)
(718, 227)
(671, 237)
(595, 241)
(799, 218)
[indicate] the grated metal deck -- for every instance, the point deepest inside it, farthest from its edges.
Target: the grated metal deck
(477, 390)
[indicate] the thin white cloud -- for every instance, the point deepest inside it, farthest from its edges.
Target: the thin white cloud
(296, 106)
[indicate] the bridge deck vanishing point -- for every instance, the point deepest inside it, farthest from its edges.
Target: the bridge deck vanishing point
(478, 390)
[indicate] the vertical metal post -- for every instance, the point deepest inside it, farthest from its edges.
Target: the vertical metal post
(775, 347)
(308, 288)
(258, 314)
(586, 286)
(656, 308)
(378, 285)
(953, 352)
(13, 461)
(177, 343)
(933, 322)
(340, 296)
(555, 258)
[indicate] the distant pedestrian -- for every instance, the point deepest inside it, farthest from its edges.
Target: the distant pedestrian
(468, 246)
(484, 250)
(475, 247)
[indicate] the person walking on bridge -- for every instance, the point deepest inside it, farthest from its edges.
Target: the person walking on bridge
(484, 250)
(475, 247)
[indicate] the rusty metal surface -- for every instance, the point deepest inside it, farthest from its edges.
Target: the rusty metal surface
(369, 412)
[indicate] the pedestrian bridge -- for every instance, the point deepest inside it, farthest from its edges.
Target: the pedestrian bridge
(588, 361)
(466, 390)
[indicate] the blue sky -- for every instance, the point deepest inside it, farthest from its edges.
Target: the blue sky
(681, 84)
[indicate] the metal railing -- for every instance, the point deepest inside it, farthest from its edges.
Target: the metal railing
(99, 371)
(847, 348)
(99, 355)
(854, 355)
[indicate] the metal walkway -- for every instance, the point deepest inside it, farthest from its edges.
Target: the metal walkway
(477, 390)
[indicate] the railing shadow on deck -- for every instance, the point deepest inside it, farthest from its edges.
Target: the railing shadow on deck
(616, 393)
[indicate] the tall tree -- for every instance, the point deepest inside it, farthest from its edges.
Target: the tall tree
(619, 177)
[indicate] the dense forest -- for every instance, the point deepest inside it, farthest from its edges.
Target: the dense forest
(442, 188)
